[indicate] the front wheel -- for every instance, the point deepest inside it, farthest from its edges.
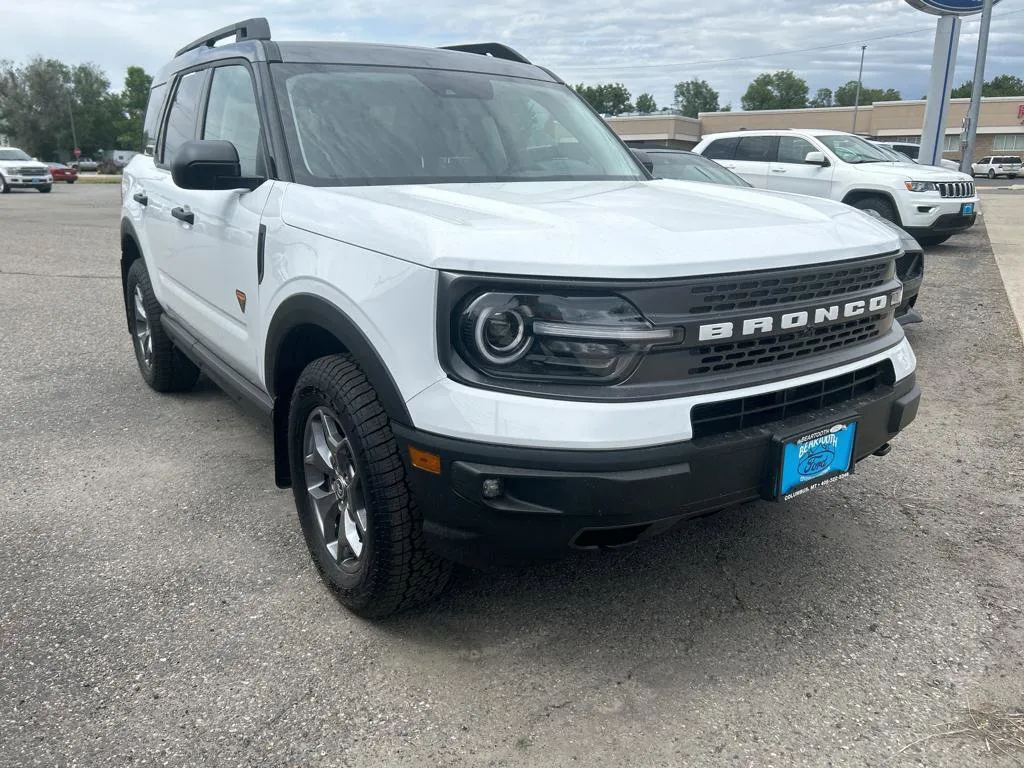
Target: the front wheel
(357, 513)
(991, 173)
(71, 181)
(879, 205)
(5, 188)
(45, 189)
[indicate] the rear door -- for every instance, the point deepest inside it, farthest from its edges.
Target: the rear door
(754, 158)
(792, 174)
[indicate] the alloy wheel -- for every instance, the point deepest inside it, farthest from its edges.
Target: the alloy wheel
(142, 331)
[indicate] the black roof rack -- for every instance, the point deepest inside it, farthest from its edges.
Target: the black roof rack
(496, 50)
(250, 29)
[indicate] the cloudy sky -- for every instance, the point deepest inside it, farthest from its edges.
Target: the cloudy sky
(647, 44)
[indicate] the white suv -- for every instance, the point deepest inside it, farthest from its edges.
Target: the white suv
(997, 165)
(19, 170)
(930, 203)
(479, 328)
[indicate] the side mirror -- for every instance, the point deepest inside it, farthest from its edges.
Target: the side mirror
(817, 158)
(209, 164)
(645, 160)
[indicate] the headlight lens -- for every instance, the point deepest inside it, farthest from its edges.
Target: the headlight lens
(548, 337)
(921, 186)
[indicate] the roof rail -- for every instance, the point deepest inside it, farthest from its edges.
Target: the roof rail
(495, 50)
(250, 29)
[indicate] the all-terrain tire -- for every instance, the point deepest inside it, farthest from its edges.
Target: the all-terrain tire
(879, 205)
(163, 366)
(393, 570)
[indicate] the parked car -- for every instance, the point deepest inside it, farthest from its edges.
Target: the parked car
(477, 327)
(930, 203)
(84, 164)
(61, 172)
(997, 165)
(913, 151)
(19, 170)
(682, 165)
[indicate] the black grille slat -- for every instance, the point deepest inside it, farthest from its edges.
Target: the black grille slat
(779, 348)
(769, 291)
(757, 410)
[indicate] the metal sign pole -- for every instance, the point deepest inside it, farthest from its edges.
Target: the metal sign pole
(947, 39)
(856, 99)
(967, 158)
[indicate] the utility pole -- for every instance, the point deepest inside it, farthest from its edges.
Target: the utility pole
(971, 124)
(856, 99)
(71, 113)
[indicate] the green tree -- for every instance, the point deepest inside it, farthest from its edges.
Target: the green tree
(645, 104)
(776, 90)
(134, 98)
(606, 98)
(1001, 85)
(696, 96)
(823, 98)
(847, 94)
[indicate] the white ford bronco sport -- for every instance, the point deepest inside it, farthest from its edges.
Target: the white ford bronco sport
(480, 329)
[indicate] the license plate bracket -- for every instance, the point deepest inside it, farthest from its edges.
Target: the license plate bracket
(967, 209)
(812, 458)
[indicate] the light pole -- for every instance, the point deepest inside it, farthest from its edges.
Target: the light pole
(71, 114)
(856, 99)
(967, 157)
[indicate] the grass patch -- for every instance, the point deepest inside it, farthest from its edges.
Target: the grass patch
(89, 179)
(1001, 731)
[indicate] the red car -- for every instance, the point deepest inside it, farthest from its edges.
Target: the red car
(61, 172)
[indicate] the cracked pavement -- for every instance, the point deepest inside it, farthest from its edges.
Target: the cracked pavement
(159, 607)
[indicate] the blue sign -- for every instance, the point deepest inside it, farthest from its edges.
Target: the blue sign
(949, 7)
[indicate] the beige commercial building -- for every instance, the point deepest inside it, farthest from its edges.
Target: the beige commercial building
(1000, 124)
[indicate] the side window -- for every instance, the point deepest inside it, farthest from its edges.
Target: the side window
(759, 149)
(985, 161)
(181, 122)
(151, 123)
(721, 149)
(793, 149)
(232, 115)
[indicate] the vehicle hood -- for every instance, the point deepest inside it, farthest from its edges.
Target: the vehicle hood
(910, 171)
(22, 164)
(596, 229)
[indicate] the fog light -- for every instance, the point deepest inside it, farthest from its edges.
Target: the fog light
(493, 487)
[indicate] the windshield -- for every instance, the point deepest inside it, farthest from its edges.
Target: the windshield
(892, 154)
(852, 149)
(685, 167)
(349, 125)
(13, 154)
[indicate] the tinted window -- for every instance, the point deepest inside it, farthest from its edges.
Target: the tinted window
(350, 125)
(1008, 160)
(231, 115)
(910, 150)
(181, 123)
(684, 167)
(151, 124)
(985, 161)
(793, 149)
(721, 149)
(757, 148)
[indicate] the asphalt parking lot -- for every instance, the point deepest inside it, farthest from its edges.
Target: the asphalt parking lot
(159, 608)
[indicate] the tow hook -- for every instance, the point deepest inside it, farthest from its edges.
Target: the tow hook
(884, 450)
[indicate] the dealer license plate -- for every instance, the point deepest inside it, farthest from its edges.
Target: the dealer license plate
(814, 459)
(967, 209)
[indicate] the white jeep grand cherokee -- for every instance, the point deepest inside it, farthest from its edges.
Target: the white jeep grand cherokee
(930, 203)
(480, 329)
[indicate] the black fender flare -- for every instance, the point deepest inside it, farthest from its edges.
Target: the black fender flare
(308, 309)
(127, 232)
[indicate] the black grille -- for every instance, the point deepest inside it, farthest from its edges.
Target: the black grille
(719, 358)
(910, 266)
(34, 170)
(956, 188)
(729, 415)
(768, 289)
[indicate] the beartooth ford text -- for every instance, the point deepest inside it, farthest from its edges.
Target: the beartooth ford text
(784, 321)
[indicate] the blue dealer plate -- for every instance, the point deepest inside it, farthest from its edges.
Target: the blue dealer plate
(967, 209)
(816, 458)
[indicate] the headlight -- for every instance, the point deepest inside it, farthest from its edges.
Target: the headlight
(921, 186)
(550, 338)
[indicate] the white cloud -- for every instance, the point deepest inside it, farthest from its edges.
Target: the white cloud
(647, 44)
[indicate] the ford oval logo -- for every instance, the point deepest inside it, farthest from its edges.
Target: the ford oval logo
(949, 7)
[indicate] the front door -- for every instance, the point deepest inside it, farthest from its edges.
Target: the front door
(792, 174)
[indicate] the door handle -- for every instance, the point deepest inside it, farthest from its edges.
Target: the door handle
(183, 213)
(778, 170)
(140, 198)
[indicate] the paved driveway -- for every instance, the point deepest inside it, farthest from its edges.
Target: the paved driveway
(158, 605)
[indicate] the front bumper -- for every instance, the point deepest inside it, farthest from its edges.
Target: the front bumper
(29, 182)
(938, 216)
(554, 500)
